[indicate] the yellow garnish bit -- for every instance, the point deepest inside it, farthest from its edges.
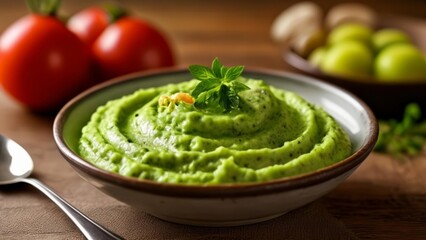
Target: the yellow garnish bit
(182, 97)
(171, 101)
(164, 101)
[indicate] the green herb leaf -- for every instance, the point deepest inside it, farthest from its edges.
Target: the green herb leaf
(205, 86)
(223, 71)
(239, 87)
(223, 97)
(233, 73)
(201, 72)
(218, 88)
(217, 68)
(405, 137)
(201, 100)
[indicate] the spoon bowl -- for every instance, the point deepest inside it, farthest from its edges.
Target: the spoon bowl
(16, 165)
(13, 167)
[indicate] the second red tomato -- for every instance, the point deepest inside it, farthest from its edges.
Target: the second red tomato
(88, 24)
(129, 45)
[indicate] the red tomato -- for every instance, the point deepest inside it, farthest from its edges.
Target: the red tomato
(42, 63)
(130, 45)
(88, 24)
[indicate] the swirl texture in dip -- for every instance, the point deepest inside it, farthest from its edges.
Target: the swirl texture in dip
(273, 134)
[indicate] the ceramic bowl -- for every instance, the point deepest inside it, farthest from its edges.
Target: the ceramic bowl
(386, 99)
(227, 204)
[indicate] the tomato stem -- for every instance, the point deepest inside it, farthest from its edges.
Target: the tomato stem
(114, 11)
(44, 7)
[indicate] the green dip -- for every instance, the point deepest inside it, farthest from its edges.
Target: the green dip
(274, 134)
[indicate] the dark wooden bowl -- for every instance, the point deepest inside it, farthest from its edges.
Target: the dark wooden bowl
(387, 100)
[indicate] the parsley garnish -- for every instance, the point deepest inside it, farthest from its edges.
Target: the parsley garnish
(405, 137)
(218, 89)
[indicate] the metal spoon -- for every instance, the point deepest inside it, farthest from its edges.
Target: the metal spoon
(16, 165)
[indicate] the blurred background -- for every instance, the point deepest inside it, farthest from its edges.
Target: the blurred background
(191, 25)
(238, 32)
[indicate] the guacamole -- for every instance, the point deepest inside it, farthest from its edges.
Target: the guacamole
(273, 134)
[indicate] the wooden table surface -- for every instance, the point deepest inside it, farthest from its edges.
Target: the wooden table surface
(384, 199)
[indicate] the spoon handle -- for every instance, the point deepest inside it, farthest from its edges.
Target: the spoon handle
(88, 227)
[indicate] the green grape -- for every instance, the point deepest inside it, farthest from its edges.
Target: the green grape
(400, 62)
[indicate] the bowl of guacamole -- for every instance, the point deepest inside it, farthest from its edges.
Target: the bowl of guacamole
(215, 146)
